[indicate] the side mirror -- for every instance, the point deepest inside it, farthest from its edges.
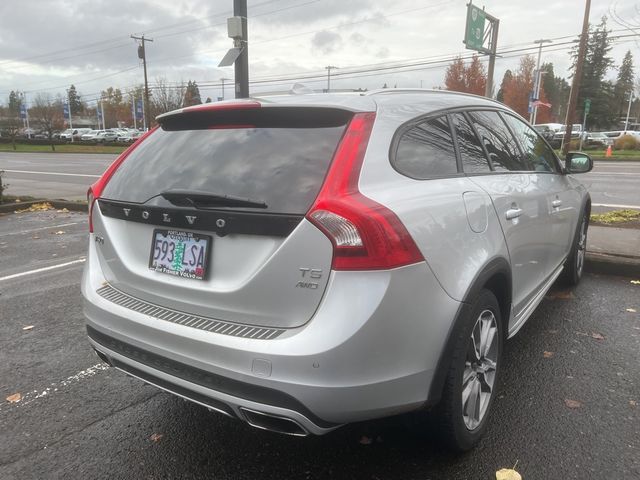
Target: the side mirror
(578, 162)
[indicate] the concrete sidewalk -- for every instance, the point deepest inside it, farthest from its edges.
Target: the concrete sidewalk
(615, 251)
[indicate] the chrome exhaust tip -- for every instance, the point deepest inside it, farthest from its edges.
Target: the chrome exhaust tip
(273, 423)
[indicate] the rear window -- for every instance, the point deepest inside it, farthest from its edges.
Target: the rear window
(282, 166)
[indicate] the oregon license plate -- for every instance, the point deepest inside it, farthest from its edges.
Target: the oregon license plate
(179, 253)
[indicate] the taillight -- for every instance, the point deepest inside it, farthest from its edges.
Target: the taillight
(365, 234)
(96, 189)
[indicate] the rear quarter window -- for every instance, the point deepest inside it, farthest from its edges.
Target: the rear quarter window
(426, 150)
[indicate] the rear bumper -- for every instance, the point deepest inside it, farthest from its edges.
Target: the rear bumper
(370, 351)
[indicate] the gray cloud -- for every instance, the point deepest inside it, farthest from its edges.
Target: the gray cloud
(327, 42)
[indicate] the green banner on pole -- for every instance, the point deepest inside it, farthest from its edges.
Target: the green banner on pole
(474, 32)
(587, 106)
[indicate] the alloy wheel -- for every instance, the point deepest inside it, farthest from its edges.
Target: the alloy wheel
(478, 378)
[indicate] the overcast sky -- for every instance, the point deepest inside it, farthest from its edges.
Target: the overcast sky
(45, 45)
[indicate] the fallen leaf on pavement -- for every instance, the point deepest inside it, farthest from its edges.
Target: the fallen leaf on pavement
(64, 210)
(37, 207)
(507, 474)
(35, 237)
(597, 336)
(572, 403)
(16, 397)
(631, 310)
(633, 403)
(28, 327)
(59, 232)
(547, 354)
(365, 440)
(156, 437)
(563, 295)
(635, 282)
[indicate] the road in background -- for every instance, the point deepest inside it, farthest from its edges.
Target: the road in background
(52, 175)
(79, 419)
(67, 176)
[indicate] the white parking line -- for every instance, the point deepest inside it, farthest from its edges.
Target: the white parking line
(43, 269)
(613, 205)
(23, 232)
(27, 398)
(54, 173)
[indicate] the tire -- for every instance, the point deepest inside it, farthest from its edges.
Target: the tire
(460, 425)
(574, 266)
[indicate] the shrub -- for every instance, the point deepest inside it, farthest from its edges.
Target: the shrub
(626, 142)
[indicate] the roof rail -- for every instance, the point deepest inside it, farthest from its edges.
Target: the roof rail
(388, 91)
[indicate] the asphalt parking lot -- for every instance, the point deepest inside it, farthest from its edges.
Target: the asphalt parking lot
(569, 406)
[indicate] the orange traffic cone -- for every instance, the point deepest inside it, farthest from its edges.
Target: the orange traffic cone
(608, 154)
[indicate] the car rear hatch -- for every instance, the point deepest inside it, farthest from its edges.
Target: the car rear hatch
(207, 214)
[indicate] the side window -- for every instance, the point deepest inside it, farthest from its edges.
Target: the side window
(426, 150)
(500, 144)
(536, 152)
(472, 154)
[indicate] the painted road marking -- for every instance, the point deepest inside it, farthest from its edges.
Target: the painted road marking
(32, 396)
(44, 269)
(53, 173)
(612, 205)
(23, 232)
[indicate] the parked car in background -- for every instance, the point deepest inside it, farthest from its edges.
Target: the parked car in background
(129, 136)
(302, 262)
(597, 140)
(546, 131)
(558, 137)
(75, 133)
(106, 136)
(90, 136)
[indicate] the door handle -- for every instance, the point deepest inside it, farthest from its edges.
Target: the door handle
(513, 213)
(556, 203)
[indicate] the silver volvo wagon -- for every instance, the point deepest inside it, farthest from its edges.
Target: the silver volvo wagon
(301, 262)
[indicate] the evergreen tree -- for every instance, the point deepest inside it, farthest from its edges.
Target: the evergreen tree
(75, 101)
(593, 85)
(508, 76)
(557, 90)
(15, 100)
(625, 84)
(192, 94)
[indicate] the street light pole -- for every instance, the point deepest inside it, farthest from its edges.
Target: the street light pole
(328, 68)
(223, 79)
(70, 123)
(534, 112)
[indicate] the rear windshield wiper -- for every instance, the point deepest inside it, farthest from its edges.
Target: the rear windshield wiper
(190, 198)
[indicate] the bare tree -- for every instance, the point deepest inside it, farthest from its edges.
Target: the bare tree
(47, 114)
(11, 124)
(166, 97)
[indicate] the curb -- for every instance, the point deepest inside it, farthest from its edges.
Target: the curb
(603, 263)
(58, 204)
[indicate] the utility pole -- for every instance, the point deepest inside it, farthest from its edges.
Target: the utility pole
(143, 55)
(626, 123)
(577, 78)
(223, 79)
(534, 112)
(328, 68)
(493, 46)
(241, 64)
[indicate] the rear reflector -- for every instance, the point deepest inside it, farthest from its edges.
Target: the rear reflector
(365, 234)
